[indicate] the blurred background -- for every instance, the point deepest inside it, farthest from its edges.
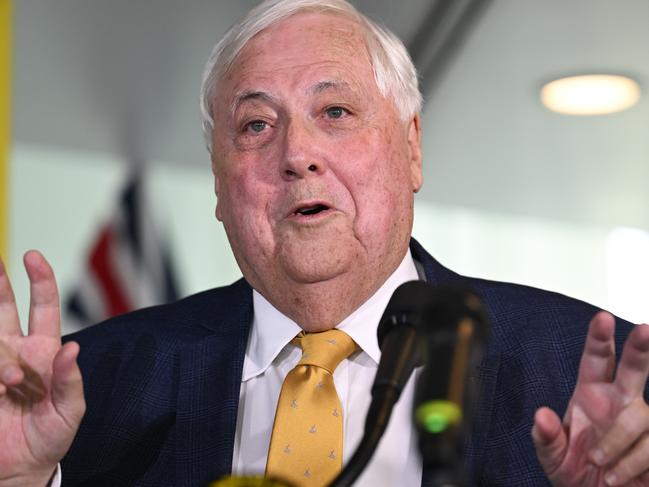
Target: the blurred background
(513, 191)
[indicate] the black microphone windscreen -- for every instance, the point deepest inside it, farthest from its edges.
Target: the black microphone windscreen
(407, 304)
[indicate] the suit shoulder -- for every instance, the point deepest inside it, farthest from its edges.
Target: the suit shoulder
(196, 315)
(519, 314)
(518, 300)
(524, 317)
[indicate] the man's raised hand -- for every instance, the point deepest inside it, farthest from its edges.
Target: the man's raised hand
(41, 392)
(604, 437)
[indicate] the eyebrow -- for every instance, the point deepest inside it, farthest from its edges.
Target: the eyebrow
(320, 87)
(248, 95)
(329, 85)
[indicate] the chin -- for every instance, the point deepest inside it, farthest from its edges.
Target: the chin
(310, 267)
(323, 258)
(312, 271)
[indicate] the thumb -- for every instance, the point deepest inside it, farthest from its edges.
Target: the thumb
(67, 385)
(550, 440)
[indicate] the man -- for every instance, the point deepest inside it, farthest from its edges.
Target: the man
(313, 125)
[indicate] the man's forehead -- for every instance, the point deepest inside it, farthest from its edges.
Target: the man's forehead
(304, 37)
(341, 28)
(333, 85)
(304, 54)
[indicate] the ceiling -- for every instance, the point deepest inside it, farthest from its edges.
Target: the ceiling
(122, 77)
(489, 142)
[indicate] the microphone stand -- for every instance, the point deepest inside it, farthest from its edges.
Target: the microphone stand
(444, 396)
(385, 393)
(455, 339)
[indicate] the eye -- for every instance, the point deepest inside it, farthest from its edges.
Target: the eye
(256, 126)
(336, 112)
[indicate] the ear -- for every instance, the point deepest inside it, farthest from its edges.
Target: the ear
(414, 152)
(217, 190)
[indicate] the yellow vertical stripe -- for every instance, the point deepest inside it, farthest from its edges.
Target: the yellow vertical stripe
(5, 120)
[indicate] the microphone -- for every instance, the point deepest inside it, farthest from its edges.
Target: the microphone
(444, 396)
(402, 349)
(400, 333)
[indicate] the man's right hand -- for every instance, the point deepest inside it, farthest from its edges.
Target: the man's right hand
(41, 391)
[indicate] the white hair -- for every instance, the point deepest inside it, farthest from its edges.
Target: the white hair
(394, 71)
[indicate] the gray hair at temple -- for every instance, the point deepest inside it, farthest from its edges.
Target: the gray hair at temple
(395, 74)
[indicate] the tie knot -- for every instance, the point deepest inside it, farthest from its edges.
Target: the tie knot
(325, 349)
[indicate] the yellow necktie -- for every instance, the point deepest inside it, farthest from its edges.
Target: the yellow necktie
(307, 442)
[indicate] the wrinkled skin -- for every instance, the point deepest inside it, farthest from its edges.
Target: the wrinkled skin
(41, 393)
(300, 122)
(607, 414)
(300, 125)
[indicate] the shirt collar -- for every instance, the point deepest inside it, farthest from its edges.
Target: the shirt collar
(272, 331)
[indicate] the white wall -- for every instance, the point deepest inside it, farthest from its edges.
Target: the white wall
(59, 198)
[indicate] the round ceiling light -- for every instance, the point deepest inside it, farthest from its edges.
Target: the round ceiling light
(592, 94)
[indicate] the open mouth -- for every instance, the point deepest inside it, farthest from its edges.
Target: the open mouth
(311, 210)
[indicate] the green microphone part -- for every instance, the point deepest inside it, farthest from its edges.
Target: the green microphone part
(437, 416)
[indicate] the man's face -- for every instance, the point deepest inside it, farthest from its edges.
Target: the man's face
(314, 170)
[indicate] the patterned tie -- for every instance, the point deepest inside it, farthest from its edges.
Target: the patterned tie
(307, 442)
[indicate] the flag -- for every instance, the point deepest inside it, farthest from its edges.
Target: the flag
(128, 266)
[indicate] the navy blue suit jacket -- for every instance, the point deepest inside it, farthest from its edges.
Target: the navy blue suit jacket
(162, 385)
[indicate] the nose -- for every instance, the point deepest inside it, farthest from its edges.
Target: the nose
(302, 153)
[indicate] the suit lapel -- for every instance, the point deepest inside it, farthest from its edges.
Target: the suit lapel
(211, 363)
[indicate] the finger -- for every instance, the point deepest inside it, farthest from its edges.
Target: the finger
(9, 322)
(598, 360)
(550, 440)
(10, 372)
(635, 464)
(23, 384)
(628, 426)
(44, 311)
(633, 368)
(67, 385)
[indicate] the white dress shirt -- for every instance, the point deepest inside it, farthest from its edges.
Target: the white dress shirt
(270, 356)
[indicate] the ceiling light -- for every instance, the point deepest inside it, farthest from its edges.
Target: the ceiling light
(592, 94)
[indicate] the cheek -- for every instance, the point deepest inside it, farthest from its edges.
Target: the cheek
(245, 219)
(243, 205)
(242, 196)
(377, 168)
(380, 185)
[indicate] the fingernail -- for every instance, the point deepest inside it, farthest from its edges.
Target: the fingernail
(598, 456)
(610, 478)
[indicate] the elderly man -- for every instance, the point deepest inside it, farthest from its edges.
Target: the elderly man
(312, 119)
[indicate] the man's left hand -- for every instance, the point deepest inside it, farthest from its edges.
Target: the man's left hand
(604, 437)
